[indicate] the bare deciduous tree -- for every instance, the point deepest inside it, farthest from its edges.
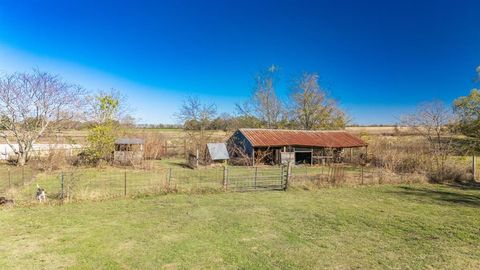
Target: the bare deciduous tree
(33, 103)
(196, 117)
(433, 121)
(264, 103)
(312, 108)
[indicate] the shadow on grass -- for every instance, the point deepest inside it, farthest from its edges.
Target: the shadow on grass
(466, 185)
(441, 196)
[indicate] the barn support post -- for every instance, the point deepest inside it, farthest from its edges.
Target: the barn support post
(311, 158)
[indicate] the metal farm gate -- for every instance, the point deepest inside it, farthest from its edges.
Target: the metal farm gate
(255, 178)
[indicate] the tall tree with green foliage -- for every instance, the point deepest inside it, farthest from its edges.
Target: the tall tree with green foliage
(311, 108)
(467, 109)
(101, 136)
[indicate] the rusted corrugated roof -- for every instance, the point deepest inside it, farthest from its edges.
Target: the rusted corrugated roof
(280, 137)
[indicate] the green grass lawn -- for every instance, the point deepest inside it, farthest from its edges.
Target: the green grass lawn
(396, 227)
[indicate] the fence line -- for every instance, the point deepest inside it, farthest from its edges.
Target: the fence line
(94, 184)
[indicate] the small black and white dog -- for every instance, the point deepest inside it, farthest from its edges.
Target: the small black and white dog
(41, 194)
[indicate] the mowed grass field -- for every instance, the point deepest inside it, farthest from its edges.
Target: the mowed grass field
(368, 227)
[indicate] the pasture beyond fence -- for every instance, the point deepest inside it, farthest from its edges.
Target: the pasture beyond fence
(92, 183)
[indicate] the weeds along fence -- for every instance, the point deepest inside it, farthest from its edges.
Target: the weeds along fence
(349, 175)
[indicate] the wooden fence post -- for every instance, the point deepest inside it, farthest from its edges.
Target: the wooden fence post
(362, 175)
(255, 178)
(197, 157)
(225, 177)
(23, 175)
(282, 174)
(289, 173)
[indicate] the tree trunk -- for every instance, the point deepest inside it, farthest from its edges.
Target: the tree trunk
(22, 158)
(22, 154)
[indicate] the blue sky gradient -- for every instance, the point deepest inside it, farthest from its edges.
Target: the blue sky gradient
(378, 58)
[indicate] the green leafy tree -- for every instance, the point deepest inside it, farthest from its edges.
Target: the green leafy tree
(467, 109)
(101, 137)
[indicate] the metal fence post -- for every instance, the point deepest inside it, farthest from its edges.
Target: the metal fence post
(62, 186)
(125, 184)
(169, 176)
(282, 174)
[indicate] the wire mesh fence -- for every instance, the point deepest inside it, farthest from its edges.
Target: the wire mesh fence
(15, 177)
(349, 175)
(94, 183)
(83, 184)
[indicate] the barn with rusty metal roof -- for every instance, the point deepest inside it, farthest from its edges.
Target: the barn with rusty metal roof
(299, 146)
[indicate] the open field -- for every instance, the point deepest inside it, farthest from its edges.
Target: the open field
(371, 227)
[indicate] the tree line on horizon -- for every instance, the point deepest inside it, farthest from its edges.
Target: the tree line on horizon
(307, 106)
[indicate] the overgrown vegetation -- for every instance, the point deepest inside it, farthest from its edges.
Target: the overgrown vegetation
(101, 136)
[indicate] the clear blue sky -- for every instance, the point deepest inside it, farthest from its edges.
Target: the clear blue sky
(378, 58)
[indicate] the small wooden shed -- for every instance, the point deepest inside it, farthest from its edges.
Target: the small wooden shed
(129, 150)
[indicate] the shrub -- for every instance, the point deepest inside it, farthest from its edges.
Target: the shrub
(447, 173)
